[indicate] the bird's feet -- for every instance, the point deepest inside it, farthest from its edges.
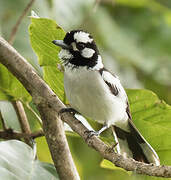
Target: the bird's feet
(91, 133)
(96, 133)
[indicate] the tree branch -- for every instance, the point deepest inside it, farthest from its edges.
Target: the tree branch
(52, 125)
(48, 103)
(18, 106)
(24, 124)
(10, 134)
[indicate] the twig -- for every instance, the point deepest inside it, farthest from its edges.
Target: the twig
(24, 124)
(10, 134)
(3, 122)
(18, 106)
(15, 28)
(47, 103)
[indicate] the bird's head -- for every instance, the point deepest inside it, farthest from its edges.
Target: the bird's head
(78, 49)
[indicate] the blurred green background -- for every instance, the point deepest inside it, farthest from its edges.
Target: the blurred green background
(134, 38)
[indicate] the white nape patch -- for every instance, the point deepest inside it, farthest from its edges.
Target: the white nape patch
(65, 54)
(74, 47)
(82, 37)
(87, 52)
(99, 64)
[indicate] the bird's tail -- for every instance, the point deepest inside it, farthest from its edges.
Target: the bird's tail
(132, 144)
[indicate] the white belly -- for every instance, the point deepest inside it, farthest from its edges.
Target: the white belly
(89, 95)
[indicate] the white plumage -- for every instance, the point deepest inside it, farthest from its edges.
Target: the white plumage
(100, 104)
(87, 52)
(82, 37)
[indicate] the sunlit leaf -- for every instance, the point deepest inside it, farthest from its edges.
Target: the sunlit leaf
(42, 32)
(11, 88)
(54, 78)
(42, 149)
(152, 117)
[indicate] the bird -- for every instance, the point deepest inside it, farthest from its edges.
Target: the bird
(98, 94)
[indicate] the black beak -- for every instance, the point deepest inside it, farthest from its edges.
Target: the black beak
(60, 43)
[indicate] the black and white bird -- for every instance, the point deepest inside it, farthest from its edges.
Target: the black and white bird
(96, 93)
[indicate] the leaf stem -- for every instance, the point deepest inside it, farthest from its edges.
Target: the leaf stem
(10, 134)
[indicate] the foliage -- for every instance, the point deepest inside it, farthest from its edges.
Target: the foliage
(10, 87)
(42, 33)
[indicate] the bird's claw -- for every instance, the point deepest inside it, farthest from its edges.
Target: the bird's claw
(91, 133)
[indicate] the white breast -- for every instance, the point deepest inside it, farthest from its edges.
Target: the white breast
(89, 95)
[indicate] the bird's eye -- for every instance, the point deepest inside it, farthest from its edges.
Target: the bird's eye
(80, 46)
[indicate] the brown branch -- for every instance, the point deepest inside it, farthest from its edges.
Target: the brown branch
(24, 124)
(48, 103)
(52, 125)
(16, 26)
(10, 134)
(18, 106)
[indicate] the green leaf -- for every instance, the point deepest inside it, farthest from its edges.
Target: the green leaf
(9, 115)
(42, 32)
(42, 149)
(3, 95)
(152, 117)
(11, 88)
(17, 161)
(109, 165)
(54, 78)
